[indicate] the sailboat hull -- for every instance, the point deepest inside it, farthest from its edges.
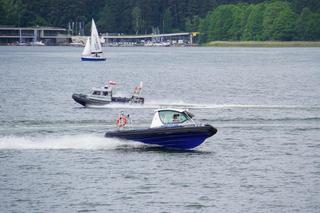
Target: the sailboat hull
(88, 58)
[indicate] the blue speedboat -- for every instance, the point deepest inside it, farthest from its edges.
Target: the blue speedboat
(170, 128)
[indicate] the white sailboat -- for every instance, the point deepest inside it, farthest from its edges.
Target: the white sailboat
(93, 51)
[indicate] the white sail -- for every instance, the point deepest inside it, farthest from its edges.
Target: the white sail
(87, 49)
(95, 40)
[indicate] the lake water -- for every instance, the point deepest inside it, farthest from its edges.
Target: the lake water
(265, 103)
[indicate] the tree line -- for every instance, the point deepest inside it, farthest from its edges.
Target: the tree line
(275, 20)
(215, 19)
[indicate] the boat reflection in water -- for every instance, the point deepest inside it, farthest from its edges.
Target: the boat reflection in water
(170, 128)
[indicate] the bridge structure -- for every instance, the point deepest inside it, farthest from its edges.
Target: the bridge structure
(48, 35)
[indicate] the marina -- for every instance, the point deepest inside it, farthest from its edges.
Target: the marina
(54, 36)
(27, 35)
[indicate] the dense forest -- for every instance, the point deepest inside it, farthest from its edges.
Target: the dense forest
(214, 19)
(275, 20)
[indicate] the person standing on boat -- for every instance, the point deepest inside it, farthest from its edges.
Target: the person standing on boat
(129, 121)
(122, 120)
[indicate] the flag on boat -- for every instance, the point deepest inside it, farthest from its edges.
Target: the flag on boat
(112, 83)
(137, 89)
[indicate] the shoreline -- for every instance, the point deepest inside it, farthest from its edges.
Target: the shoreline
(262, 44)
(279, 44)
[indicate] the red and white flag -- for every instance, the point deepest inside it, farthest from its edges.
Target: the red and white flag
(112, 83)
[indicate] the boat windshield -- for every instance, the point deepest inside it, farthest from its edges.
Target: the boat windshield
(100, 93)
(172, 117)
(95, 92)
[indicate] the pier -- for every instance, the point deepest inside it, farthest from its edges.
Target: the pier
(168, 39)
(61, 36)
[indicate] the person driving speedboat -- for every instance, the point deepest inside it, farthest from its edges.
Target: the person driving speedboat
(175, 118)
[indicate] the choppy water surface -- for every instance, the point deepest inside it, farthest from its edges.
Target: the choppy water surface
(265, 103)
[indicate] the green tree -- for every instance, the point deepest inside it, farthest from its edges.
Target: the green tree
(220, 22)
(13, 11)
(192, 25)
(108, 18)
(304, 25)
(239, 16)
(299, 5)
(204, 31)
(315, 26)
(39, 21)
(167, 21)
(253, 29)
(278, 20)
(284, 25)
(136, 19)
(3, 14)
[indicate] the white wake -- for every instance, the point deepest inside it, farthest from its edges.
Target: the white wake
(88, 142)
(181, 104)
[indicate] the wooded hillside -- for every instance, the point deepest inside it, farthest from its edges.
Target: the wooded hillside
(215, 19)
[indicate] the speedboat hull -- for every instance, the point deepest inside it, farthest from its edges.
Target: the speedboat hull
(179, 137)
(83, 58)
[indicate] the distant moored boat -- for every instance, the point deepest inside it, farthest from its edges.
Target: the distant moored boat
(37, 43)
